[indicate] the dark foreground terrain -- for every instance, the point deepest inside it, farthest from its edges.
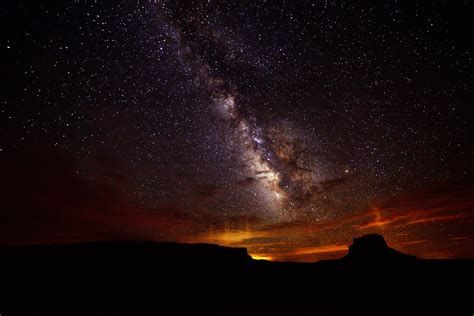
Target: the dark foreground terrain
(146, 278)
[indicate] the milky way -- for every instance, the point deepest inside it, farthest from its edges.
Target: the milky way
(287, 128)
(271, 156)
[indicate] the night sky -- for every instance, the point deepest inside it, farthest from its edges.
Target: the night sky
(287, 127)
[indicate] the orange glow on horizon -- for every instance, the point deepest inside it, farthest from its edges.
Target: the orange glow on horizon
(259, 257)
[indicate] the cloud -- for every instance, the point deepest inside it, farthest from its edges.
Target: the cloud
(414, 242)
(319, 249)
(309, 254)
(427, 205)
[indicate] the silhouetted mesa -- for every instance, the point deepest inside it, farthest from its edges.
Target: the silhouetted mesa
(373, 247)
(195, 279)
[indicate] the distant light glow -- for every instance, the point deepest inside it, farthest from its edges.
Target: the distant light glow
(261, 257)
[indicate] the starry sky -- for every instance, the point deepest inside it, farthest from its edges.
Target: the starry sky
(287, 127)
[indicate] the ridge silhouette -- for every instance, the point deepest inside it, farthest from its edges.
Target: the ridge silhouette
(373, 247)
(134, 277)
